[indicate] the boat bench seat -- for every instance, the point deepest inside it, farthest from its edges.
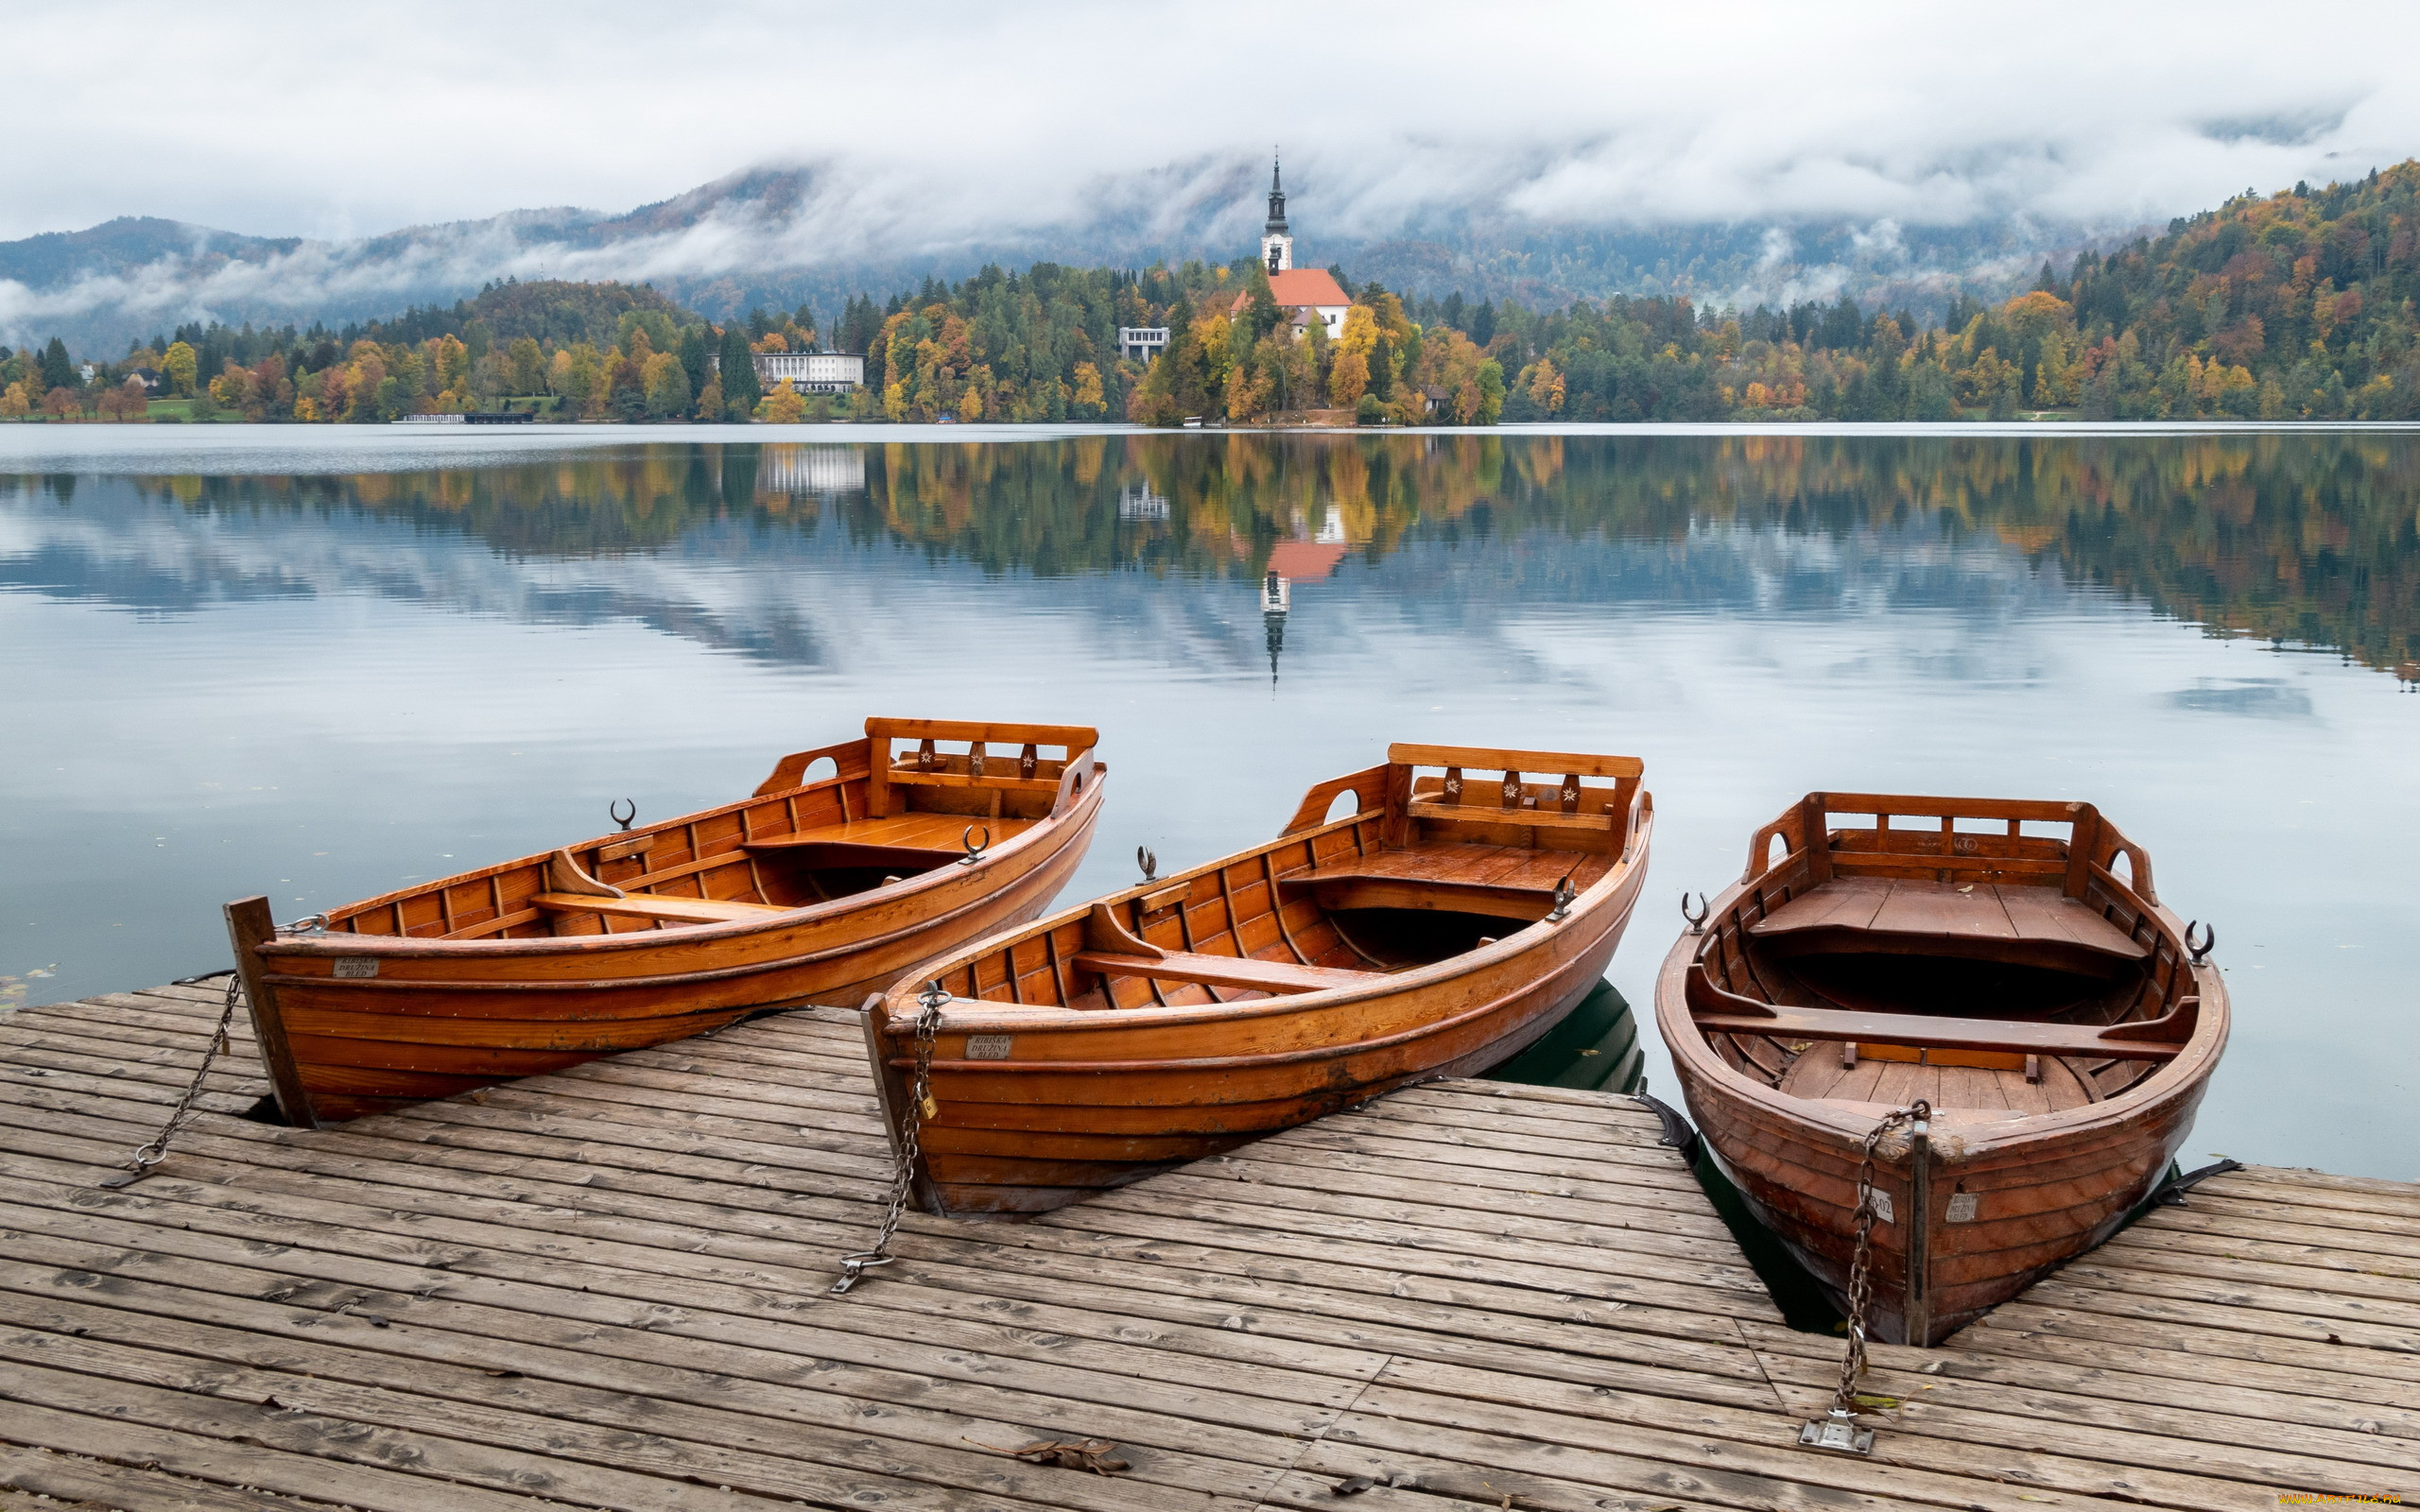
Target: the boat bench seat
(1499, 882)
(647, 905)
(1900, 916)
(940, 834)
(1224, 970)
(1925, 1032)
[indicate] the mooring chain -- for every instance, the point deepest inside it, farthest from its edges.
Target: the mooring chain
(1838, 1428)
(902, 1178)
(1860, 1266)
(152, 1153)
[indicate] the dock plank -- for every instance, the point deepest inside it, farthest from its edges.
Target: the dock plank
(606, 1288)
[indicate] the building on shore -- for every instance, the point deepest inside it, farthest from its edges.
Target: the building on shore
(1141, 342)
(810, 372)
(1308, 295)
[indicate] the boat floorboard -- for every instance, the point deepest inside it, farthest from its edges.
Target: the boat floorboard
(607, 1288)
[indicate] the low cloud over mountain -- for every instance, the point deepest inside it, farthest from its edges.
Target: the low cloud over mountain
(783, 236)
(1544, 147)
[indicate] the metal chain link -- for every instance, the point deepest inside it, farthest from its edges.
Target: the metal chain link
(903, 1177)
(1860, 1267)
(152, 1153)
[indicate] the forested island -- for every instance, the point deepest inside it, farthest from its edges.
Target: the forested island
(2298, 304)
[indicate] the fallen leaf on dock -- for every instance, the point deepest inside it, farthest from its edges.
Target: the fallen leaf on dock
(1074, 1455)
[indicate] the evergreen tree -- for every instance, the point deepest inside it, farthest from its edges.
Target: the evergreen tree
(696, 357)
(57, 370)
(740, 389)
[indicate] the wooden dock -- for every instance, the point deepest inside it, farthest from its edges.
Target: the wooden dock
(607, 1288)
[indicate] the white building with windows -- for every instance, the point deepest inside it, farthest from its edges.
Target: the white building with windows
(1141, 342)
(811, 372)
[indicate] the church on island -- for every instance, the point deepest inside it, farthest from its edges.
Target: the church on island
(1305, 294)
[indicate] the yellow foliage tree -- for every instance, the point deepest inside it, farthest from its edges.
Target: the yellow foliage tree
(1545, 386)
(2038, 314)
(179, 367)
(1348, 376)
(451, 362)
(783, 406)
(1088, 399)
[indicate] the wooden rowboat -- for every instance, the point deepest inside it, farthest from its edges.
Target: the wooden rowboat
(1432, 932)
(2007, 963)
(823, 885)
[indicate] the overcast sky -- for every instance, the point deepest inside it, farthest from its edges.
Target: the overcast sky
(346, 120)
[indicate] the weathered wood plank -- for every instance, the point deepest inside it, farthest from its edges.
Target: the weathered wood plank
(494, 1329)
(614, 1277)
(563, 1421)
(216, 1460)
(52, 1481)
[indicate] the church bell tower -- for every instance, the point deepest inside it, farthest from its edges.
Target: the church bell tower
(1276, 243)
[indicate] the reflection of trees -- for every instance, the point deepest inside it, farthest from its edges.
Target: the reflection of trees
(2304, 538)
(2301, 538)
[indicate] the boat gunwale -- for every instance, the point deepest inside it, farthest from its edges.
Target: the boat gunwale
(1273, 1058)
(2183, 1077)
(899, 1003)
(404, 945)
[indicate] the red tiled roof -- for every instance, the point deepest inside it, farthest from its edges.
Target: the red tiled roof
(1300, 561)
(1307, 285)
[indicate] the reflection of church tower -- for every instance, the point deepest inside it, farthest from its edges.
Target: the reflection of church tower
(1275, 598)
(1292, 562)
(1277, 242)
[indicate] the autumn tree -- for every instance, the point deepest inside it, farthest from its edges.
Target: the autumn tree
(525, 367)
(665, 383)
(783, 406)
(180, 368)
(1348, 376)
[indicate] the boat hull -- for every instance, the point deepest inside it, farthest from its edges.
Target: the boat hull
(364, 1024)
(1995, 1195)
(2052, 1196)
(1033, 1107)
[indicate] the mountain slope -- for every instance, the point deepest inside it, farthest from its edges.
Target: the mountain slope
(781, 237)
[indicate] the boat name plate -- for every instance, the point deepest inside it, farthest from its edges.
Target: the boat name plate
(1881, 1201)
(356, 965)
(989, 1046)
(1962, 1208)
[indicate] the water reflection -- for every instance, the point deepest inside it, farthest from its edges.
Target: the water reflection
(1595, 1049)
(274, 672)
(2305, 540)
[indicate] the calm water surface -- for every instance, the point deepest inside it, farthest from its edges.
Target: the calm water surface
(322, 664)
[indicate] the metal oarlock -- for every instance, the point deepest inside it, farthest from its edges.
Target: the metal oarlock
(1696, 921)
(1562, 896)
(975, 847)
(2210, 940)
(1147, 859)
(613, 811)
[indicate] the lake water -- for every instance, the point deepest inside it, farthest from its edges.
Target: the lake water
(321, 664)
